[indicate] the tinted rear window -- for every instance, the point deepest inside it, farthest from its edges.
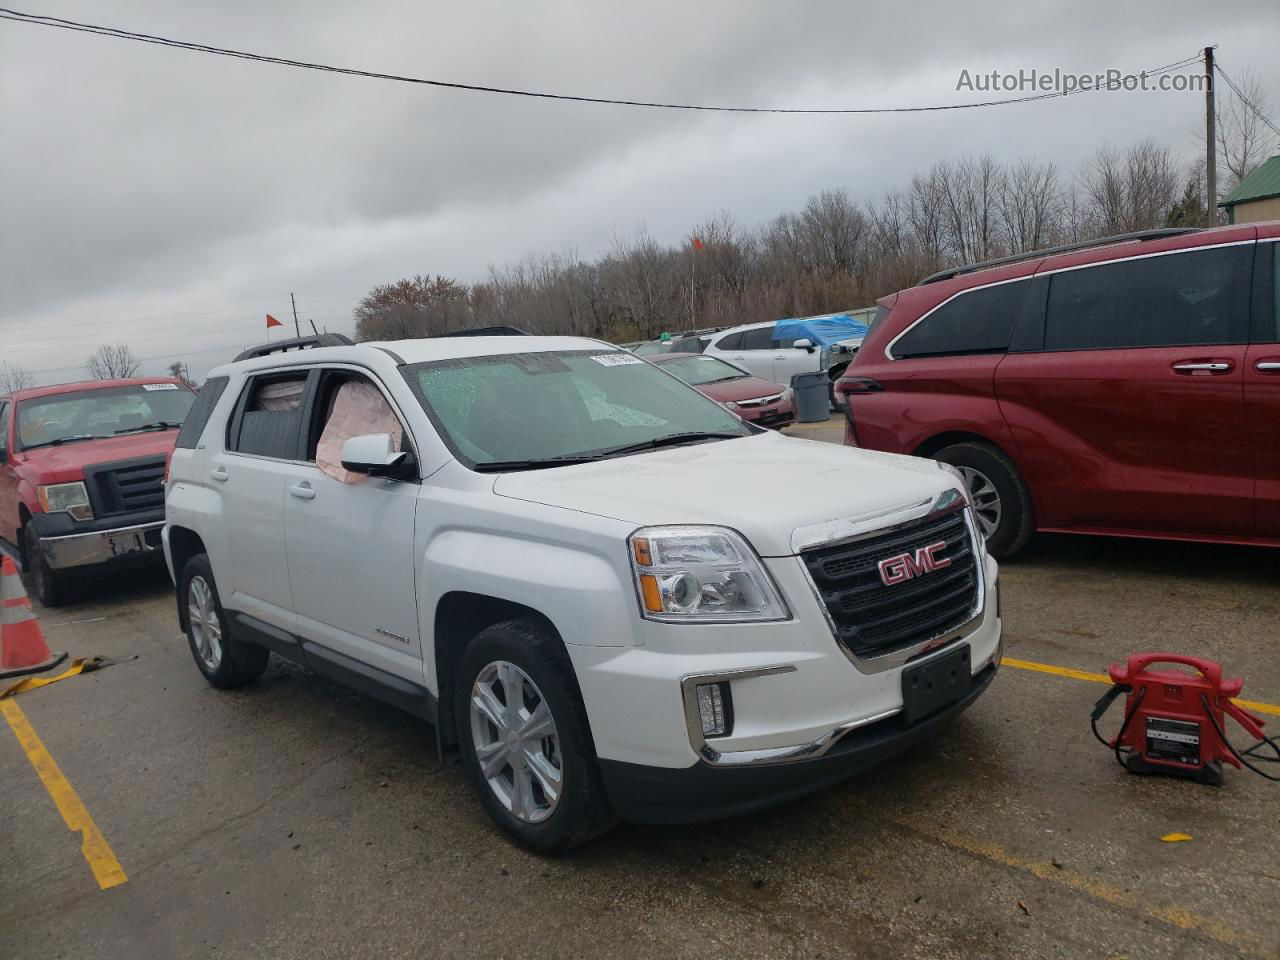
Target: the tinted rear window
(1178, 299)
(200, 412)
(976, 321)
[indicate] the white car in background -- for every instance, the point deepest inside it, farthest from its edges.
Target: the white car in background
(756, 348)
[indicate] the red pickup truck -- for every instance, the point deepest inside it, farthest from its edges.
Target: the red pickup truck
(82, 475)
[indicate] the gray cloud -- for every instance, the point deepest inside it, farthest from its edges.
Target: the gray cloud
(138, 182)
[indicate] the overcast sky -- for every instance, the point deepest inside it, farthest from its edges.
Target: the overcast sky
(168, 200)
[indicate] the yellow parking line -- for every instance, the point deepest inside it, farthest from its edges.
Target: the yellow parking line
(1254, 705)
(1099, 889)
(106, 868)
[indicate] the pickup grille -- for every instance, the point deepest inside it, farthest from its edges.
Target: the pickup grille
(871, 618)
(126, 486)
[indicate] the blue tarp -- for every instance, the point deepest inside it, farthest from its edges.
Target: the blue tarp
(822, 331)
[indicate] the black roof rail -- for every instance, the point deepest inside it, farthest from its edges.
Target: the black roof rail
(1053, 251)
(483, 332)
(297, 343)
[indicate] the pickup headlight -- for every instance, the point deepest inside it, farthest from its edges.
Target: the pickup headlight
(70, 498)
(701, 575)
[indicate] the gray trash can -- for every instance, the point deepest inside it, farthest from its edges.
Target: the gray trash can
(812, 399)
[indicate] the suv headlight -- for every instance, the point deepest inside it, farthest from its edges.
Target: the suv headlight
(701, 575)
(70, 498)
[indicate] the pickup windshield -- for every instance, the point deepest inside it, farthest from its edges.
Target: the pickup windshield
(535, 410)
(105, 412)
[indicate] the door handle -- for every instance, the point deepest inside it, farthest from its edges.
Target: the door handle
(219, 474)
(303, 491)
(1267, 366)
(1202, 367)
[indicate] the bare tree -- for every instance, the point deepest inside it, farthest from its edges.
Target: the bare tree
(1244, 141)
(1030, 205)
(411, 308)
(14, 378)
(112, 362)
(1133, 190)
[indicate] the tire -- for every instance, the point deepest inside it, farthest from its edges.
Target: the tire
(1008, 518)
(523, 655)
(226, 662)
(49, 587)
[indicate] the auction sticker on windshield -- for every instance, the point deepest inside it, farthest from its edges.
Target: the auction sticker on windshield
(159, 386)
(616, 359)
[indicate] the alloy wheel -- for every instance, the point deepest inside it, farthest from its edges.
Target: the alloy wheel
(206, 627)
(516, 741)
(986, 500)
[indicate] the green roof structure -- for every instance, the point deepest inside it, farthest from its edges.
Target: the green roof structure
(1259, 185)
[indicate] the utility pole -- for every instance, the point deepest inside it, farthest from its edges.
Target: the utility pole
(1210, 144)
(297, 329)
(313, 327)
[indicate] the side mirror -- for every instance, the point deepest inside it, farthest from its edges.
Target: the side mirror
(375, 454)
(803, 344)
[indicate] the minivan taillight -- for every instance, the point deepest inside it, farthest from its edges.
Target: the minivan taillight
(845, 389)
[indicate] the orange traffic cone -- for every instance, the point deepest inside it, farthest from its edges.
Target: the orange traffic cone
(22, 646)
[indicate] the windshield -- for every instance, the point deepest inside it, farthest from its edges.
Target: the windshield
(652, 347)
(697, 370)
(106, 412)
(523, 410)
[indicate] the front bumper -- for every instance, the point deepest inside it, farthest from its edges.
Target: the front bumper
(710, 791)
(114, 541)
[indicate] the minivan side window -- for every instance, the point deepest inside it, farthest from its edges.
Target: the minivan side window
(761, 338)
(269, 416)
(975, 321)
(1178, 299)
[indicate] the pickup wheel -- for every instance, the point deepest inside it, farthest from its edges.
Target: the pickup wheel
(1000, 496)
(525, 739)
(226, 662)
(49, 587)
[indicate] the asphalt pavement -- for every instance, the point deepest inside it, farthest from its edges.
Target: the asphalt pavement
(298, 819)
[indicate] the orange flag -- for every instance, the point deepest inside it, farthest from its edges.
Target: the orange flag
(273, 322)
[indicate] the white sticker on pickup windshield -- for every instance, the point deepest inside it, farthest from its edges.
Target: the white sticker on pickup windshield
(159, 386)
(615, 359)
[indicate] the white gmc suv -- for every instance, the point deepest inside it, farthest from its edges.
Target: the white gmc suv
(610, 595)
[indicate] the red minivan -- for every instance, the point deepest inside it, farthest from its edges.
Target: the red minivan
(1126, 387)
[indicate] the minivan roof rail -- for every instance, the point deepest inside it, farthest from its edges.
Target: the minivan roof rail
(483, 332)
(1053, 251)
(297, 343)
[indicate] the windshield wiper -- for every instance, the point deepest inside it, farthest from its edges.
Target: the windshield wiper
(158, 425)
(62, 440)
(670, 440)
(541, 463)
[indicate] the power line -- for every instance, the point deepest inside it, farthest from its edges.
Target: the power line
(121, 34)
(1245, 100)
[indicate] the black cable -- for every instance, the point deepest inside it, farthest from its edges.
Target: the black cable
(44, 21)
(1101, 707)
(1245, 100)
(1208, 711)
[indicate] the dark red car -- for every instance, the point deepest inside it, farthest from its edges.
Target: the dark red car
(757, 401)
(1128, 387)
(82, 475)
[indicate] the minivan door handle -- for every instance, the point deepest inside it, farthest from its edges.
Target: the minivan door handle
(1267, 366)
(1203, 367)
(219, 474)
(303, 491)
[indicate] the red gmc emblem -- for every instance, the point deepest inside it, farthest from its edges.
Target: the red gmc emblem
(906, 565)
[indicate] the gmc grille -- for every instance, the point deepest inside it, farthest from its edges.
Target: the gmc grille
(870, 618)
(127, 486)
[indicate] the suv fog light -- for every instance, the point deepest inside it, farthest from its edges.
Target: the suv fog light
(715, 709)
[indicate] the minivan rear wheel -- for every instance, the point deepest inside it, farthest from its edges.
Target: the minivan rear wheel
(999, 494)
(525, 740)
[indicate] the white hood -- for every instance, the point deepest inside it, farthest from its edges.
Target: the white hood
(764, 486)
